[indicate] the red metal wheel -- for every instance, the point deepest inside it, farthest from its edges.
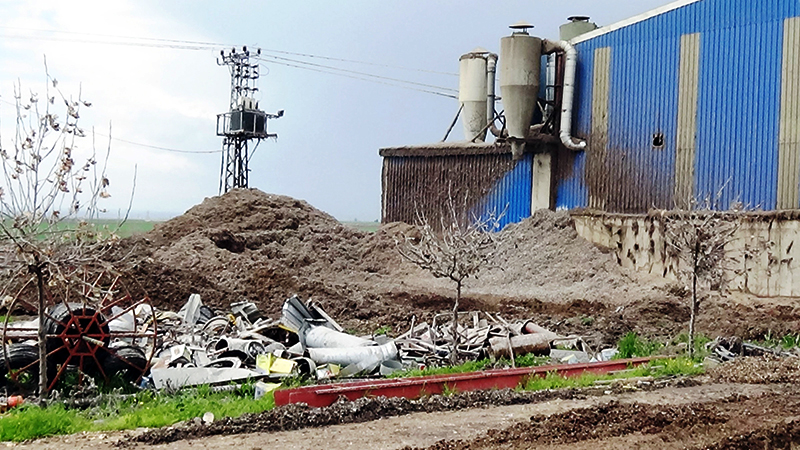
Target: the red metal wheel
(91, 324)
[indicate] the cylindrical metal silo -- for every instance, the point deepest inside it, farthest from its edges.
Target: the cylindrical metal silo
(472, 94)
(576, 26)
(520, 65)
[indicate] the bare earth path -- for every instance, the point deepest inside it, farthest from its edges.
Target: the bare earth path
(416, 430)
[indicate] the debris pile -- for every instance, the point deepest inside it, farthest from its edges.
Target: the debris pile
(199, 346)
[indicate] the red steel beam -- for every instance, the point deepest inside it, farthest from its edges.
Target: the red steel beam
(414, 387)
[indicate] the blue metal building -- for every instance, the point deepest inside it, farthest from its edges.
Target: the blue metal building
(693, 99)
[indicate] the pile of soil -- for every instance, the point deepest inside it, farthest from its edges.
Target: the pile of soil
(248, 245)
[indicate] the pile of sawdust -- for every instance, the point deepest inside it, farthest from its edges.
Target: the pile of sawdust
(543, 257)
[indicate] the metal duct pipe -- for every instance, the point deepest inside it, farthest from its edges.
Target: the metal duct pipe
(322, 337)
(570, 64)
(368, 356)
(491, 98)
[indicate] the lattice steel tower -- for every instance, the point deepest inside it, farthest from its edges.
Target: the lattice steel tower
(243, 123)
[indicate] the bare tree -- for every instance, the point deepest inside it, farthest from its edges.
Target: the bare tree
(47, 195)
(457, 252)
(701, 239)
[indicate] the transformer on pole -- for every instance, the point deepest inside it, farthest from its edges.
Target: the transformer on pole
(244, 121)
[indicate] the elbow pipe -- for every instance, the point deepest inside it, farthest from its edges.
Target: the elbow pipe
(570, 64)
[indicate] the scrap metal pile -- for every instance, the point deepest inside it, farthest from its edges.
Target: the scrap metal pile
(201, 347)
(197, 345)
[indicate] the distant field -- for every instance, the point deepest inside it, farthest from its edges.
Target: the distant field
(129, 228)
(369, 227)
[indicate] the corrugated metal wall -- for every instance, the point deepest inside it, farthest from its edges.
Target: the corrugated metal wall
(737, 98)
(476, 186)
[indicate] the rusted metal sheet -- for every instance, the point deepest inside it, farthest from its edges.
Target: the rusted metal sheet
(475, 183)
(415, 387)
(789, 138)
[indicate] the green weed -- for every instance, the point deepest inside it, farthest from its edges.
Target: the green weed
(790, 341)
(449, 391)
(700, 341)
(30, 422)
(386, 329)
(631, 346)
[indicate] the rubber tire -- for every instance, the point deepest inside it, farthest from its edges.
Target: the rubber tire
(113, 365)
(19, 356)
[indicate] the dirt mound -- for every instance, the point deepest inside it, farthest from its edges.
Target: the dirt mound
(248, 245)
(544, 256)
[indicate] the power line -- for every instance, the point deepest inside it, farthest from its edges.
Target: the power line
(217, 45)
(380, 77)
(180, 41)
(364, 79)
(330, 58)
(123, 43)
(167, 149)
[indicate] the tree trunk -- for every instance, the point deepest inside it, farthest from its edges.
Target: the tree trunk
(454, 354)
(693, 308)
(42, 335)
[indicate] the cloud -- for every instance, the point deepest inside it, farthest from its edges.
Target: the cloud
(155, 96)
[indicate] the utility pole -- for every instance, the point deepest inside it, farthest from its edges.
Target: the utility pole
(243, 122)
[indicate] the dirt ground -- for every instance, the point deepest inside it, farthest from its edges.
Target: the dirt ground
(698, 416)
(248, 245)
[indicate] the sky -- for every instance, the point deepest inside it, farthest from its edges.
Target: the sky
(158, 95)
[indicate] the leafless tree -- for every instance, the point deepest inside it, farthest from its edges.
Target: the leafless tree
(701, 238)
(458, 251)
(48, 194)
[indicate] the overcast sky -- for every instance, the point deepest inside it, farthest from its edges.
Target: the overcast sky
(156, 94)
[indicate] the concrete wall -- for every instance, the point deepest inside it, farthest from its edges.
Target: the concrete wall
(638, 243)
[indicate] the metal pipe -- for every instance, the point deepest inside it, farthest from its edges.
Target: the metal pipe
(368, 356)
(491, 70)
(322, 337)
(568, 91)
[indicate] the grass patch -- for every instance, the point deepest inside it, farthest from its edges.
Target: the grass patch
(632, 346)
(145, 409)
(474, 366)
(369, 227)
(790, 341)
(660, 368)
(30, 422)
(700, 341)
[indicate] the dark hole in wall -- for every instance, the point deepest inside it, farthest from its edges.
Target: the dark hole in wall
(658, 140)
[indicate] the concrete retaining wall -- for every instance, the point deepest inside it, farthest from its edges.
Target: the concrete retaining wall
(638, 242)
